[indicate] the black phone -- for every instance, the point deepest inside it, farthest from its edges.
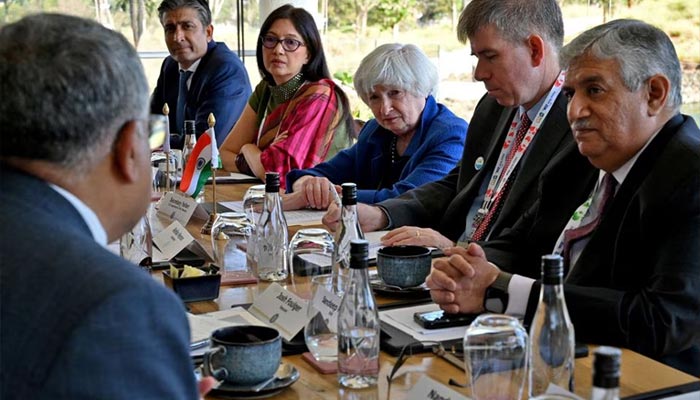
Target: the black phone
(440, 319)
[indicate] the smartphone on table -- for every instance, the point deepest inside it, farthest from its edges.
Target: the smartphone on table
(440, 319)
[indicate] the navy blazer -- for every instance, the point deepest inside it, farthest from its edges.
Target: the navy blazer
(434, 149)
(77, 321)
(220, 85)
(443, 205)
(636, 283)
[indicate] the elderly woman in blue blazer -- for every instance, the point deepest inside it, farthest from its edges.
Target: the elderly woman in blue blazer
(411, 141)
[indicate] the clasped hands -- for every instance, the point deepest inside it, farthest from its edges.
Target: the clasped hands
(458, 281)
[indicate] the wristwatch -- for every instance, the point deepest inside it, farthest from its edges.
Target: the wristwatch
(496, 296)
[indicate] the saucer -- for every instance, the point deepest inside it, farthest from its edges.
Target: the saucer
(229, 390)
(394, 291)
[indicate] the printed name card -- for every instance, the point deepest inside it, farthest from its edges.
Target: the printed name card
(327, 303)
(178, 207)
(430, 389)
(172, 240)
(280, 309)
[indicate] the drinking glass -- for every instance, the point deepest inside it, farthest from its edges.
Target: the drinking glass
(320, 333)
(495, 352)
(136, 244)
(226, 233)
(252, 206)
(311, 252)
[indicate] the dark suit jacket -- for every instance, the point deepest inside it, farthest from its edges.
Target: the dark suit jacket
(219, 86)
(77, 321)
(443, 205)
(636, 283)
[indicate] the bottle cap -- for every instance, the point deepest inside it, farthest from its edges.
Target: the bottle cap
(189, 127)
(272, 182)
(606, 367)
(552, 269)
(359, 254)
(349, 191)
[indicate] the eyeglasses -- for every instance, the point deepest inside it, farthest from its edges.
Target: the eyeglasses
(288, 44)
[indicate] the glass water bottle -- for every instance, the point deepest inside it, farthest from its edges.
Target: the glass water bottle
(358, 325)
(348, 230)
(272, 237)
(551, 333)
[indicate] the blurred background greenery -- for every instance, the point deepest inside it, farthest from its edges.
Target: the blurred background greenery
(351, 28)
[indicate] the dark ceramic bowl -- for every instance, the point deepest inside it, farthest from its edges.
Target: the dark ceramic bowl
(244, 355)
(403, 266)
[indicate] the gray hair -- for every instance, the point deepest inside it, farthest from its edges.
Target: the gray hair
(516, 20)
(68, 85)
(640, 49)
(402, 66)
(201, 6)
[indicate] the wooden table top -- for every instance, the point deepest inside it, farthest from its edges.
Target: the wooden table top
(639, 373)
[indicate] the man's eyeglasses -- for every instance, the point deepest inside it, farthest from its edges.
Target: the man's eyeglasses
(288, 44)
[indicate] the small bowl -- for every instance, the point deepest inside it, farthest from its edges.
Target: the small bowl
(196, 288)
(403, 266)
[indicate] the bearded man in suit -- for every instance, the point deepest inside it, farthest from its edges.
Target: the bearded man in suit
(633, 274)
(77, 321)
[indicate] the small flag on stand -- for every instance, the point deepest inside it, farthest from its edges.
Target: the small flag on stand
(198, 168)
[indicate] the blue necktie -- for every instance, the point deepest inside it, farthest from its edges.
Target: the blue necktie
(181, 100)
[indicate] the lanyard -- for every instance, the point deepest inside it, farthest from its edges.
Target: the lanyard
(500, 176)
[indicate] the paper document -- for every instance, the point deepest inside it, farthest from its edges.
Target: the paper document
(202, 325)
(402, 319)
(295, 217)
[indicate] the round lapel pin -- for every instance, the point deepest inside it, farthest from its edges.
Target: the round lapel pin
(479, 163)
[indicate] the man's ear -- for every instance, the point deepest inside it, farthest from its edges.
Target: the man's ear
(210, 32)
(536, 45)
(658, 88)
(126, 152)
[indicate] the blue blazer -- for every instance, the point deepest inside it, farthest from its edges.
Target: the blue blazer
(219, 86)
(77, 321)
(434, 150)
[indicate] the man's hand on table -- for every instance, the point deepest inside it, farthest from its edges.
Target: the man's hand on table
(457, 282)
(371, 218)
(413, 235)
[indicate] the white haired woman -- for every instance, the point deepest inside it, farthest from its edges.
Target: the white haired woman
(412, 140)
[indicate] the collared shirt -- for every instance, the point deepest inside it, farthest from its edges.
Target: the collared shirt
(479, 199)
(89, 216)
(520, 286)
(193, 69)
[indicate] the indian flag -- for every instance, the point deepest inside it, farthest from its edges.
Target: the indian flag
(199, 166)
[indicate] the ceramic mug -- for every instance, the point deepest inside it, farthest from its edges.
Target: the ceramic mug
(244, 355)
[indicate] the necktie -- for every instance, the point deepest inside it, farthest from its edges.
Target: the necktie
(571, 236)
(181, 99)
(482, 230)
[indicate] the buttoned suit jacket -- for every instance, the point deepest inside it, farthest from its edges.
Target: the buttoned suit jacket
(77, 321)
(636, 283)
(444, 204)
(220, 85)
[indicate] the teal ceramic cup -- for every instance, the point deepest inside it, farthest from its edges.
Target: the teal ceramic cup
(403, 266)
(244, 355)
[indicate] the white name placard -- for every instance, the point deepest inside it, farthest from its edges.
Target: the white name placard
(327, 303)
(430, 389)
(281, 309)
(172, 240)
(177, 207)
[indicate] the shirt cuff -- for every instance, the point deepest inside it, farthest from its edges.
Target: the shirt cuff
(390, 225)
(518, 294)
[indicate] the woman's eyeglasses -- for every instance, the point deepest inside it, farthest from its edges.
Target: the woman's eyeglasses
(288, 44)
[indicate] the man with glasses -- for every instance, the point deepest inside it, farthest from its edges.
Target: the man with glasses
(200, 76)
(78, 321)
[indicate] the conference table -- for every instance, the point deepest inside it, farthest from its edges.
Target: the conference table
(639, 374)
